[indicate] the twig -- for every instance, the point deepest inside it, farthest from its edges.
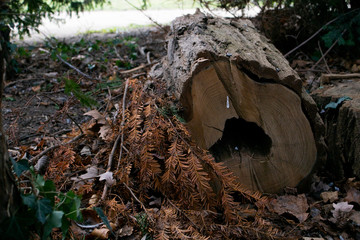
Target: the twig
(317, 32)
(75, 68)
(148, 58)
(152, 20)
(327, 51)
(119, 138)
(21, 80)
(183, 213)
(142, 205)
(325, 78)
(70, 65)
(111, 157)
(134, 69)
(122, 123)
(322, 54)
(32, 160)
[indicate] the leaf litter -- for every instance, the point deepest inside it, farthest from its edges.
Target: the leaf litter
(159, 183)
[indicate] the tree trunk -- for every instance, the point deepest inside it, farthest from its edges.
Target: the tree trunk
(242, 101)
(8, 190)
(342, 126)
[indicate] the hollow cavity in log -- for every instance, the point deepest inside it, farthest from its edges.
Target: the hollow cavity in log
(256, 129)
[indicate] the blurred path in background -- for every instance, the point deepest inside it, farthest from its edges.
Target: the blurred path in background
(115, 20)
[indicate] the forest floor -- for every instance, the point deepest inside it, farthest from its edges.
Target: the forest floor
(53, 97)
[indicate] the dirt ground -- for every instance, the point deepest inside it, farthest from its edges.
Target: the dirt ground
(58, 81)
(36, 106)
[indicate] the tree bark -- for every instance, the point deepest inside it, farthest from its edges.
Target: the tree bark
(9, 195)
(242, 101)
(342, 126)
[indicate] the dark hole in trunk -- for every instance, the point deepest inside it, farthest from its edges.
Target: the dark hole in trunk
(240, 136)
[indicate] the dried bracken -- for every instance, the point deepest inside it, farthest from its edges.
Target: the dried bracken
(199, 198)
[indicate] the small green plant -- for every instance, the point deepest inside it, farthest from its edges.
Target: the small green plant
(43, 208)
(143, 222)
(72, 88)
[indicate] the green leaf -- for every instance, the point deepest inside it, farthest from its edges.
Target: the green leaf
(54, 220)
(70, 204)
(29, 200)
(20, 166)
(43, 208)
(103, 217)
(49, 191)
(72, 87)
(65, 227)
(39, 182)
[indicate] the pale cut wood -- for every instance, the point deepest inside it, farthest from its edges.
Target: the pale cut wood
(242, 101)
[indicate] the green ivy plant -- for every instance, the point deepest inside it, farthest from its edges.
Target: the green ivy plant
(43, 208)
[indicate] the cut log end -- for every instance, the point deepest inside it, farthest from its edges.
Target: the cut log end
(242, 101)
(258, 130)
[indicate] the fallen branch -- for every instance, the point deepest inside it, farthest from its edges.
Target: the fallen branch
(70, 65)
(37, 157)
(120, 137)
(327, 51)
(317, 32)
(326, 78)
(134, 69)
(122, 123)
(322, 55)
(111, 157)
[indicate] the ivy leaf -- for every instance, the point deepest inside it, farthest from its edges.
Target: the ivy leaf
(29, 200)
(101, 214)
(70, 205)
(52, 221)
(39, 182)
(20, 166)
(49, 191)
(65, 227)
(43, 208)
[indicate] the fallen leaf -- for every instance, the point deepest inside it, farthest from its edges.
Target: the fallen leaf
(125, 231)
(108, 177)
(341, 208)
(294, 205)
(93, 199)
(85, 151)
(329, 196)
(105, 132)
(91, 172)
(97, 116)
(36, 88)
(102, 233)
(353, 195)
(156, 201)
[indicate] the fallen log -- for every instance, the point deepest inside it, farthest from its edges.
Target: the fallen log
(242, 101)
(342, 123)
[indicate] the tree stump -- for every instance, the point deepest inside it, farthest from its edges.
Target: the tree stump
(342, 125)
(242, 101)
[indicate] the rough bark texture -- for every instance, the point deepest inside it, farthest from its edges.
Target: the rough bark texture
(8, 193)
(342, 126)
(242, 101)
